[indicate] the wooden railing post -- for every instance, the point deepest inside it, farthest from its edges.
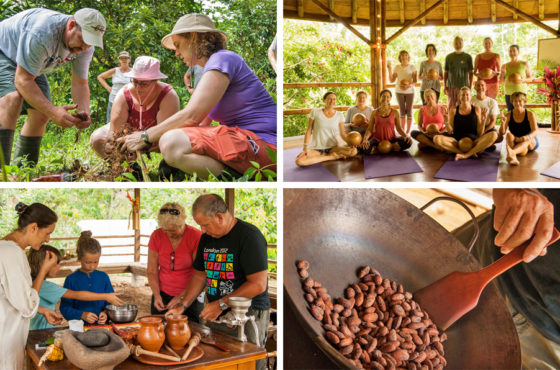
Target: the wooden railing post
(136, 224)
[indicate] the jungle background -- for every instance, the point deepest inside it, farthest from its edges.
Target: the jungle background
(138, 26)
(328, 52)
(256, 206)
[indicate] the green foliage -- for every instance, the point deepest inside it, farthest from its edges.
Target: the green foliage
(315, 52)
(257, 206)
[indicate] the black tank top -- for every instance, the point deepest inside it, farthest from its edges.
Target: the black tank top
(522, 128)
(465, 126)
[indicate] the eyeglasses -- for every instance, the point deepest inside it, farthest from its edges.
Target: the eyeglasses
(142, 83)
(172, 264)
(171, 211)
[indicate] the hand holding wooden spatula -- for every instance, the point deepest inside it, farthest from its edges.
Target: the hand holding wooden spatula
(452, 296)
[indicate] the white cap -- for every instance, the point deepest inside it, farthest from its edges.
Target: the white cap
(93, 26)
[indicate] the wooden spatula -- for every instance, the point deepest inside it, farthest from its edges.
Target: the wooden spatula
(452, 296)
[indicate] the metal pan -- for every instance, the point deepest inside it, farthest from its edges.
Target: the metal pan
(339, 230)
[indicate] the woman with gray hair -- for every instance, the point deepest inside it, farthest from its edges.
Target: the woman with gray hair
(172, 249)
(229, 92)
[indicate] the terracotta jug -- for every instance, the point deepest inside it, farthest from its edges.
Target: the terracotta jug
(151, 335)
(177, 331)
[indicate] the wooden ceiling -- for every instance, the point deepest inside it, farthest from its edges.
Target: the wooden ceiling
(398, 12)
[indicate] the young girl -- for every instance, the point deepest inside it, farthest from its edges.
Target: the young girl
(51, 293)
(87, 278)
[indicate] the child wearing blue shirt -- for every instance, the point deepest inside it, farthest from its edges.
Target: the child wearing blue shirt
(51, 293)
(87, 278)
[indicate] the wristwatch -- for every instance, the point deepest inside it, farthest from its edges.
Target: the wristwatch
(144, 136)
(223, 305)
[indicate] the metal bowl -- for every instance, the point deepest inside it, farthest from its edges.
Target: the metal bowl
(121, 314)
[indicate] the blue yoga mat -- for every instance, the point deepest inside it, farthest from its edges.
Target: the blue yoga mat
(396, 163)
(483, 168)
(314, 173)
(553, 171)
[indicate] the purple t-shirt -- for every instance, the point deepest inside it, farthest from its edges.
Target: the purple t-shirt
(246, 103)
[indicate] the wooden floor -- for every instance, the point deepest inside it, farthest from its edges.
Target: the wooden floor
(430, 161)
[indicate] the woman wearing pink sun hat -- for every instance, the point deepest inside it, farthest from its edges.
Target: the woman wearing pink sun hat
(229, 92)
(139, 105)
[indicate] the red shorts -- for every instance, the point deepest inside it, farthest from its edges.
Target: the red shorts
(232, 146)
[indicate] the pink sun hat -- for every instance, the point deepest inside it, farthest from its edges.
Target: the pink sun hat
(145, 68)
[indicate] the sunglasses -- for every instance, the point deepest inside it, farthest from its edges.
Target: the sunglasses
(142, 83)
(172, 264)
(171, 211)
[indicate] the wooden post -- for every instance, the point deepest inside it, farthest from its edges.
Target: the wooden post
(300, 10)
(493, 10)
(136, 224)
(384, 44)
(230, 200)
(541, 9)
(422, 4)
(373, 52)
(355, 11)
(469, 12)
(445, 11)
(401, 10)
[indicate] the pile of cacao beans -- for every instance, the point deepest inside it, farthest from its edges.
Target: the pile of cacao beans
(377, 324)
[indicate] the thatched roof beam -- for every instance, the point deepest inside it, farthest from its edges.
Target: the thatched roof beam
(528, 17)
(342, 20)
(413, 22)
(354, 11)
(422, 4)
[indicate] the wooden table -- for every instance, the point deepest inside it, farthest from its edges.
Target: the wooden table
(242, 355)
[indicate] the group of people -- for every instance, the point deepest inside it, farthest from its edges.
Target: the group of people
(440, 127)
(226, 258)
(36, 41)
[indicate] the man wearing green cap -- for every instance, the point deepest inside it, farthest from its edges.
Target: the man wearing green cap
(33, 43)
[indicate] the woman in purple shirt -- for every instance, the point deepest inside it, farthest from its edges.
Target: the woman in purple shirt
(229, 92)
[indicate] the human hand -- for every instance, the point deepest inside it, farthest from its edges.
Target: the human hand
(52, 317)
(174, 302)
(89, 317)
(408, 139)
(389, 64)
(177, 310)
(49, 262)
(62, 118)
(132, 142)
(85, 120)
(522, 214)
(365, 144)
(102, 319)
(211, 311)
(113, 299)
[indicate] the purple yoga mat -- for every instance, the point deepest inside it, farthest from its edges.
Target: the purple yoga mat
(381, 165)
(553, 171)
(293, 172)
(483, 168)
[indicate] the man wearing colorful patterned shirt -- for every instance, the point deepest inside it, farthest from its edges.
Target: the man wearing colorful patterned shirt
(231, 261)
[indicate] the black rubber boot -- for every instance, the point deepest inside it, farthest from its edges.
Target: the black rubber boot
(27, 146)
(169, 173)
(7, 142)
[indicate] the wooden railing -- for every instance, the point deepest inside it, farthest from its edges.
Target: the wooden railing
(312, 85)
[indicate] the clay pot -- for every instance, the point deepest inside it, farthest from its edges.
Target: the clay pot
(384, 146)
(404, 84)
(354, 138)
(177, 331)
(433, 74)
(465, 144)
(432, 129)
(486, 73)
(515, 78)
(151, 335)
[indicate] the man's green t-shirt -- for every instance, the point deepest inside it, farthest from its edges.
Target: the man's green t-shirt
(458, 67)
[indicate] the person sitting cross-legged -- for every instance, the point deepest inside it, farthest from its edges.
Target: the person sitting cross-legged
(465, 121)
(430, 114)
(522, 125)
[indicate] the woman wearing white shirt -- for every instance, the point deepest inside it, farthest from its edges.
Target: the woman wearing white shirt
(325, 131)
(19, 296)
(406, 76)
(119, 79)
